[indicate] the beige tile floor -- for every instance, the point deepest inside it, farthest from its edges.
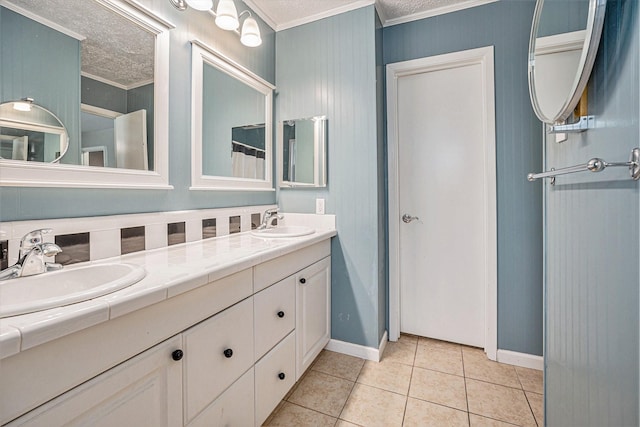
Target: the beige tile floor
(419, 382)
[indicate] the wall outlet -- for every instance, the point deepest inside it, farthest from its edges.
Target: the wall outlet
(320, 206)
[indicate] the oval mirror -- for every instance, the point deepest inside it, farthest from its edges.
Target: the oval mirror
(562, 49)
(31, 133)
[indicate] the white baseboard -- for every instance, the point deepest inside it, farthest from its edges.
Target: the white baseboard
(521, 359)
(368, 353)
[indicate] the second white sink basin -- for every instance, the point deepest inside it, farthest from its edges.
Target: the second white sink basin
(284, 231)
(67, 286)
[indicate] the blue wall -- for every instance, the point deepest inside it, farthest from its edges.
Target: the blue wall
(506, 26)
(34, 203)
(592, 247)
(328, 67)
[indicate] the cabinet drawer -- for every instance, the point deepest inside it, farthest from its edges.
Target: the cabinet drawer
(275, 375)
(275, 316)
(216, 353)
(232, 407)
(273, 271)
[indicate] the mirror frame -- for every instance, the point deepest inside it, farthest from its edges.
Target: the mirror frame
(593, 30)
(16, 173)
(319, 154)
(201, 54)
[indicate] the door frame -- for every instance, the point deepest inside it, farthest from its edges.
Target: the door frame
(484, 57)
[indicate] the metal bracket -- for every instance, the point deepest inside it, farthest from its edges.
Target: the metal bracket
(584, 123)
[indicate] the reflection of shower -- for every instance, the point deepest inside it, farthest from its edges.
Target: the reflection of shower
(292, 159)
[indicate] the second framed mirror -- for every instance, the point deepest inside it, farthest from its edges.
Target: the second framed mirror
(302, 152)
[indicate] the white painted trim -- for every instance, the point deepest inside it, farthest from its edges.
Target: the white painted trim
(484, 57)
(357, 350)
(326, 14)
(116, 84)
(435, 12)
(521, 359)
(560, 42)
(97, 111)
(201, 54)
(34, 174)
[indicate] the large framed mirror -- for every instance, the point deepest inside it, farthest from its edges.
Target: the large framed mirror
(107, 88)
(302, 152)
(562, 49)
(231, 129)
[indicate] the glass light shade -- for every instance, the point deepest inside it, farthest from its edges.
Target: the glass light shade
(200, 4)
(250, 33)
(22, 106)
(227, 15)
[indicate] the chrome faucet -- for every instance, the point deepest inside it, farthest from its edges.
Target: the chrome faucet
(31, 259)
(268, 217)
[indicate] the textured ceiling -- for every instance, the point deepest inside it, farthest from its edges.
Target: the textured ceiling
(283, 14)
(114, 49)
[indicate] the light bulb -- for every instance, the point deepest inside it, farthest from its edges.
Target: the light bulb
(250, 33)
(227, 15)
(200, 4)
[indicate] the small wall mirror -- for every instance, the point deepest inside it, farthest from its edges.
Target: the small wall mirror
(562, 49)
(31, 133)
(231, 125)
(106, 88)
(302, 152)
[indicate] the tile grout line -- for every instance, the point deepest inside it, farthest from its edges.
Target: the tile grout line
(466, 394)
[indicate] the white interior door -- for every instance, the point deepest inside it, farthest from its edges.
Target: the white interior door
(445, 189)
(131, 140)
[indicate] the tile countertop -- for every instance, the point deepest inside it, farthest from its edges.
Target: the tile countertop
(171, 271)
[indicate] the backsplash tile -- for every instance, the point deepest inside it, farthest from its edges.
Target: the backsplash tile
(176, 233)
(4, 254)
(94, 238)
(75, 248)
(104, 244)
(209, 228)
(255, 220)
(132, 239)
(234, 224)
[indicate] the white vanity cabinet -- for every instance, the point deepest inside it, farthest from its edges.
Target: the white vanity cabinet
(224, 353)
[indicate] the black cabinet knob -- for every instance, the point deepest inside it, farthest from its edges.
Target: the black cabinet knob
(228, 353)
(281, 314)
(281, 375)
(303, 280)
(177, 354)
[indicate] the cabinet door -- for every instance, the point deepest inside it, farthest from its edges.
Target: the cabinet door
(313, 313)
(144, 391)
(232, 408)
(216, 353)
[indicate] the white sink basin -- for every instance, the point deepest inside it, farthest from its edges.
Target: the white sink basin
(67, 286)
(284, 231)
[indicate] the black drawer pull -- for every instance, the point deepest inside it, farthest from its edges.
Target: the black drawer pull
(303, 280)
(281, 375)
(177, 355)
(228, 353)
(281, 314)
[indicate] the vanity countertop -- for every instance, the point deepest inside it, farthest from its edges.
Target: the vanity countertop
(171, 271)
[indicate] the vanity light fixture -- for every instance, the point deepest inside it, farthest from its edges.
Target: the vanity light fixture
(23, 105)
(227, 18)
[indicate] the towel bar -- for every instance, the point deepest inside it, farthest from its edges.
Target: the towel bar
(594, 165)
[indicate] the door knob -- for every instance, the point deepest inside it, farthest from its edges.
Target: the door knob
(408, 218)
